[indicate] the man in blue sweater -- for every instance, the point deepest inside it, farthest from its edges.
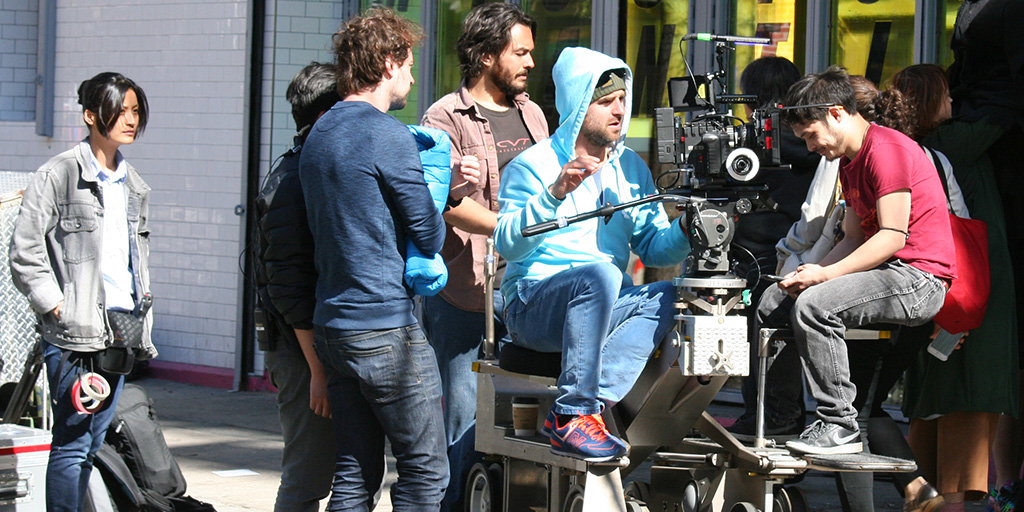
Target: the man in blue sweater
(566, 290)
(366, 198)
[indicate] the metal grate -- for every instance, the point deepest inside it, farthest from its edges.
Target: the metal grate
(17, 321)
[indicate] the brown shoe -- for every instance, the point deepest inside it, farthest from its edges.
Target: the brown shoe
(928, 499)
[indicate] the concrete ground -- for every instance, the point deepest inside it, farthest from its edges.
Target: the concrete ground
(212, 430)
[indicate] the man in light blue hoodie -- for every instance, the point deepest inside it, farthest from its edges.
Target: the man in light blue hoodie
(566, 290)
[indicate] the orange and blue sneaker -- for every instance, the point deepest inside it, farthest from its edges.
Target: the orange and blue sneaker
(582, 437)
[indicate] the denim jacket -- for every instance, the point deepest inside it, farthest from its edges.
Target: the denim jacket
(56, 247)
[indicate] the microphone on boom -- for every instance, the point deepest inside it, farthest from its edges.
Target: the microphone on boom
(704, 36)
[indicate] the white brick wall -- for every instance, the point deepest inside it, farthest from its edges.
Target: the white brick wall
(19, 20)
(303, 34)
(190, 57)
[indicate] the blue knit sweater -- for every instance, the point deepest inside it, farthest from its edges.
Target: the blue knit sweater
(365, 195)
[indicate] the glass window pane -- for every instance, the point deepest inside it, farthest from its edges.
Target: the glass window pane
(873, 39)
(450, 15)
(410, 10)
(651, 48)
(560, 24)
(946, 31)
(782, 21)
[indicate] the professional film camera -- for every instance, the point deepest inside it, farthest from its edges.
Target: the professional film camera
(715, 157)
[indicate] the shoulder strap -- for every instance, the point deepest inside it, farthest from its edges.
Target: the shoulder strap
(942, 175)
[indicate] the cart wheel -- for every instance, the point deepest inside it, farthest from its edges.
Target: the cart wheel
(797, 499)
(633, 506)
(781, 500)
(573, 500)
(744, 507)
(693, 495)
(483, 488)
(638, 490)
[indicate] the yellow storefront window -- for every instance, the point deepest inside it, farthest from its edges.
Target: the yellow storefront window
(946, 31)
(653, 31)
(781, 21)
(873, 39)
(560, 24)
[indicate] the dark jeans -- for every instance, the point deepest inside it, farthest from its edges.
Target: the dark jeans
(456, 336)
(385, 383)
(76, 437)
(307, 462)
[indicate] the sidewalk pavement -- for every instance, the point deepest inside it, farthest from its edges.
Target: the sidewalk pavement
(212, 430)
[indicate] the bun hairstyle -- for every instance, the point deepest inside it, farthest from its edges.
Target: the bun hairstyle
(104, 94)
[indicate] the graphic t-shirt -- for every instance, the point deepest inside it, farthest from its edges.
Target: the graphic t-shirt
(510, 134)
(889, 161)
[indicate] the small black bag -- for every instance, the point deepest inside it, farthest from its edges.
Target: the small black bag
(119, 356)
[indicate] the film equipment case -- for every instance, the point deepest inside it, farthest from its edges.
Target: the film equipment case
(24, 453)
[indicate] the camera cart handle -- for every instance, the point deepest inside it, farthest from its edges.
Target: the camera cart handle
(605, 211)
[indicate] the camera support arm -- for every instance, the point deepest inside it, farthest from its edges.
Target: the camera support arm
(605, 211)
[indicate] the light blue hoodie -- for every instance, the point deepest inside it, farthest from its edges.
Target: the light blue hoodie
(524, 198)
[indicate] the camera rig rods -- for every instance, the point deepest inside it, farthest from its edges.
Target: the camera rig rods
(605, 211)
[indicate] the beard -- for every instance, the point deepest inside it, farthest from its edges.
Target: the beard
(596, 134)
(505, 78)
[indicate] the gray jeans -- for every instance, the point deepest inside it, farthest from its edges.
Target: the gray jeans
(893, 292)
(307, 465)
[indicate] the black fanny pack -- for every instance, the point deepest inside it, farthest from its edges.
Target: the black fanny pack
(126, 339)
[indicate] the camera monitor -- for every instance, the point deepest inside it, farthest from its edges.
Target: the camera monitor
(690, 93)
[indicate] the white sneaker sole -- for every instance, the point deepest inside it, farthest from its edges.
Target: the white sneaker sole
(848, 448)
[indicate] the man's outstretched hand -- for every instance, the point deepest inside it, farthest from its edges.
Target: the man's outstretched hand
(573, 174)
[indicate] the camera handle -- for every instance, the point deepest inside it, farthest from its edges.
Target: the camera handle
(605, 211)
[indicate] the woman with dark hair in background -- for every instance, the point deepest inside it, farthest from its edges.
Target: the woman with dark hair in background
(82, 240)
(954, 405)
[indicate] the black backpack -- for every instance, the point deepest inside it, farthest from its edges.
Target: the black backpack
(138, 468)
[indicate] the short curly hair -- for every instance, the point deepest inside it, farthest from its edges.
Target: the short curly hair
(487, 31)
(363, 45)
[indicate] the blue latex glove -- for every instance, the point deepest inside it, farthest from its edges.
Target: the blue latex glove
(428, 275)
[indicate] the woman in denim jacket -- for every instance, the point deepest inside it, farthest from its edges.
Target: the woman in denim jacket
(80, 249)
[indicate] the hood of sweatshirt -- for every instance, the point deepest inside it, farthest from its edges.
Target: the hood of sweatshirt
(575, 74)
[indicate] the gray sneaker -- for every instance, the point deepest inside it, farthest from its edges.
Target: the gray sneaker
(826, 439)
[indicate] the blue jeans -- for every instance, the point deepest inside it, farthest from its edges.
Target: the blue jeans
(384, 383)
(893, 292)
(604, 328)
(456, 336)
(307, 462)
(76, 437)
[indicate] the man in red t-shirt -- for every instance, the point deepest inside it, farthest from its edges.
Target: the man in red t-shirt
(893, 265)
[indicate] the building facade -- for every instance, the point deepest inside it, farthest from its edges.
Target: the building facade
(215, 72)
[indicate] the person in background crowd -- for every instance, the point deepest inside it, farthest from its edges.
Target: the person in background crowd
(286, 285)
(383, 379)
(983, 141)
(82, 240)
(490, 119)
(954, 417)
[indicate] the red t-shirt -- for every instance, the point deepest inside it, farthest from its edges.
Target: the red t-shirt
(889, 161)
